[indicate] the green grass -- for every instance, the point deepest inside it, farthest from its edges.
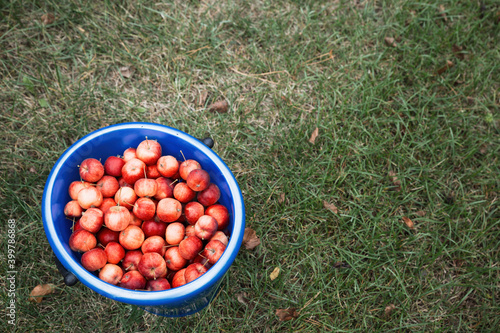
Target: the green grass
(286, 67)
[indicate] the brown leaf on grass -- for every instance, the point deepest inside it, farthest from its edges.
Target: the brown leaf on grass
(443, 69)
(389, 41)
(282, 198)
(458, 51)
(32, 170)
(330, 207)
(287, 314)
(395, 181)
(409, 223)
(388, 309)
(219, 106)
(442, 12)
(420, 213)
(202, 98)
(48, 18)
(250, 239)
(314, 135)
(242, 298)
(274, 274)
(126, 72)
(41, 290)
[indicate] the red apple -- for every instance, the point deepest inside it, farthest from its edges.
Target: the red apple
(91, 170)
(82, 241)
(73, 209)
(76, 225)
(190, 247)
(75, 187)
(152, 171)
(145, 187)
(187, 166)
(113, 166)
(133, 170)
(129, 154)
(105, 236)
(193, 211)
(158, 284)
(106, 204)
(220, 213)
(89, 197)
(209, 196)
(125, 196)
(152, 266)
(183, 193)
(111, 273)
(179, 278)
(115, 252)
(175, 233)
(153, 228)
(94, 259)
(131, 260)
(174, 260)
(154, 244)
(117, 218)
(133, 280)
(131, 238)
(202, 260)
(220, 236)
(123, 183)
(144, 209)
(205, 227)
(108, 185)
(190, 230)
(213, 251)
(164, 188)
(194, 271)
(167, 166)
(134, 220)
(169, 210)
(198, 180)
(148, 151)
(92, 220)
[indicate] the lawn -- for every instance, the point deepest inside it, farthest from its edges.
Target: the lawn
(364, 136)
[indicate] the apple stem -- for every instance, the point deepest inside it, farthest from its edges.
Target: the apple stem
(184, 157)
(145, 175)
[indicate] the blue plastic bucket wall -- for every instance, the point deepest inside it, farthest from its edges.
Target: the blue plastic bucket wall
(113, 140)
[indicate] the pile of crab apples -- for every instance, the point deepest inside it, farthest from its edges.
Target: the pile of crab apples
(146, 221)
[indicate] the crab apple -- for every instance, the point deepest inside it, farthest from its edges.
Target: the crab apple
(113, 166)
(168, 210)
(144, 209)
(111, 273)
(94, 259)
(123, 183)
(190, 247)
(152, 266)
(186, 167)
(152, 171)
(133, 170)
(117, 218)
(175, 233)
(205, 227)
(154, 244)
(75, 187)
(133, 280)
(174, 260)
(198, 180)
(89, 197)
(148, 151)
(82, 241)
(164, 188)
(128, 154)
(158, 284)
(131, 260)
(193, 211)
(220, 213)
(202, 260)
(106, 204)
(108, 185)
(91, 170)
(167, 166)
(106, 236)
(220, 236)
(134, 220)
(115, 252)
(209, 196)
(73, 209)
(179, 279)
(213, 251)
(92, 220)
(77, 226)
(125, 196)
(131, 238)
(190, 230)
(145, 187)
(154, 228)
(194, 271)
(183, 193)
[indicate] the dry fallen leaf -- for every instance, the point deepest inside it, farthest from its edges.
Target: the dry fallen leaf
(388, 309)
(442, 12)
(126, 72)
(420, 213)
(330, 206)
(202, 98)
(250, 239)
(48, 18)
(409, 223)
(282, 198)
(41, 290)
(275, 273)
(389, 41)
(219, 106)
(32, 170)
(458, 51)
(443, 69)
(395, 181)
(314, 135)
(242, 298)
(287, 314)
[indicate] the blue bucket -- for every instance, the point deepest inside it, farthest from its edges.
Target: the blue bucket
(113, 140)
